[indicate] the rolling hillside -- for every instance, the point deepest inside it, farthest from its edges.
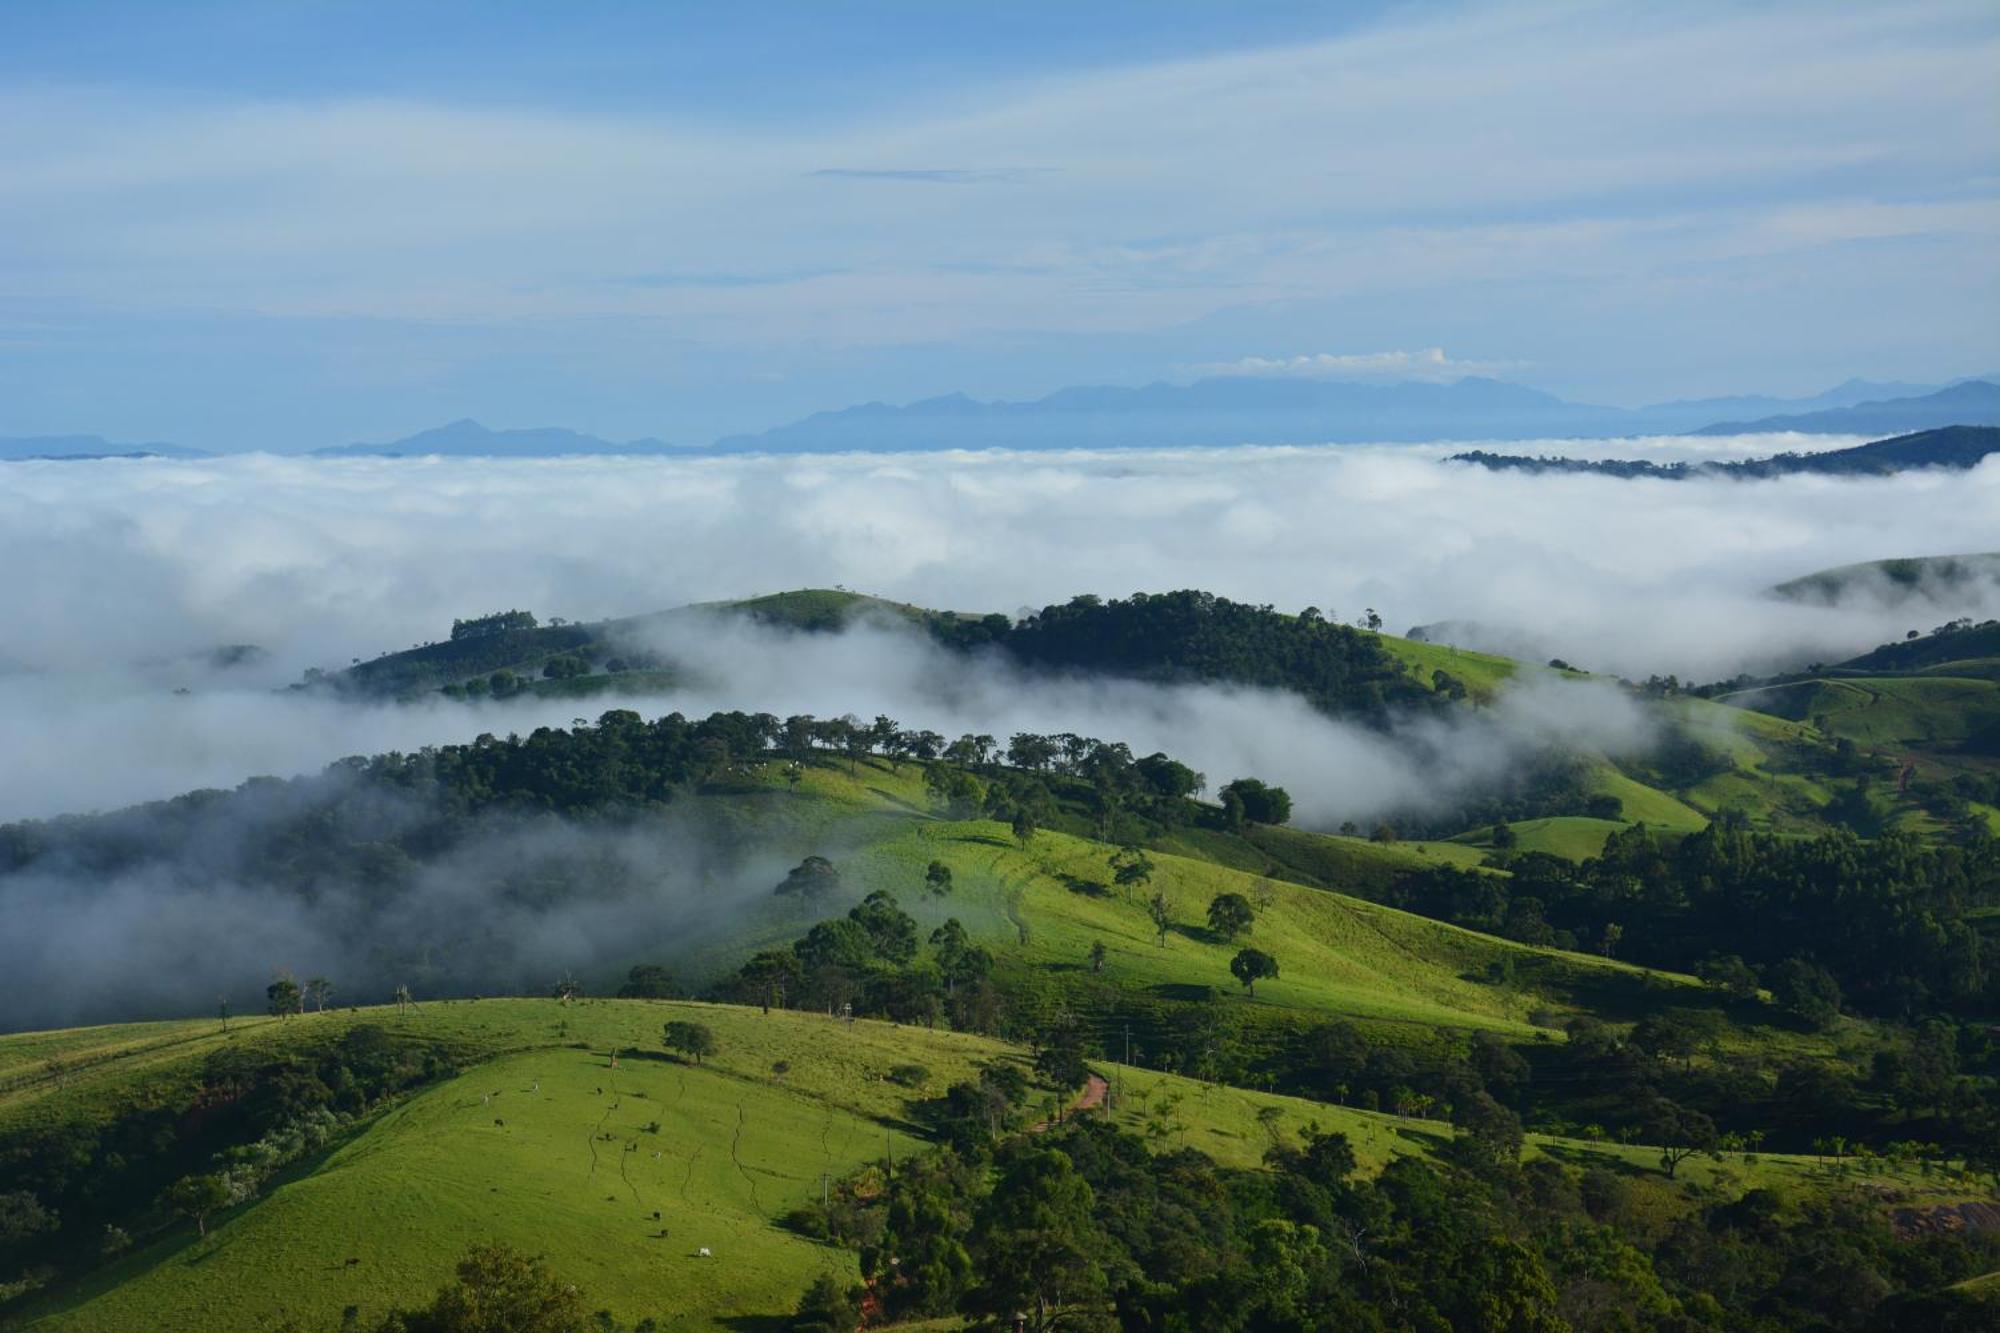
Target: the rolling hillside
(622, 1174)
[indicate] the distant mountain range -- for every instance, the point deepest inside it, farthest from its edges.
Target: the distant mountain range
(1948, 447)
(1220, 411)
(1967, 403)
(468, 439)
(1241, 410)
(23, 448)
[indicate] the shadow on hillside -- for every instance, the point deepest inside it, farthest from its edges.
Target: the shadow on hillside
(900, 802)
(1089, 888)
(1584, 1158)
(1185, 992)
(757, 1323)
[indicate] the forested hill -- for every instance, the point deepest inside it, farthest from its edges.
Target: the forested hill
(1197, 636)
(1950, 447)
(1174, 636)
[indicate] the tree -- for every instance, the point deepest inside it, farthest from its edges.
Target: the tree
(647, 981)
(1261, 804)
(568, 988)
(1229, 915)
(1251, 966)
(1097, 952)
(1680, 1132)
(769, 977)
(1040, 1250)
(1729, 973)
(22, 1216)
(1059, 1056)
(1504, 837)
(937, 878)
(892, 932)
(1131, 869)
(1491, 1132)
(317, 991)
(283, 996)
(1806, 991)
(1162, 917)
(695, 1039)
(958, 958)
(565, 666)
(499, 1290)
(811, 879)
(198, 1196)
(1024, 824)
(827, 1307)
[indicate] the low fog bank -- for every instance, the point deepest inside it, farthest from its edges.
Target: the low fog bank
(508, 912)
(1336, 771)
(123, 574)
(117, 562)
(529, 898)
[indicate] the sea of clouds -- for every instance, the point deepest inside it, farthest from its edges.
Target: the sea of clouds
(122, 574)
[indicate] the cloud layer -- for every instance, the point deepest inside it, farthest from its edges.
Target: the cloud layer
(121, 571)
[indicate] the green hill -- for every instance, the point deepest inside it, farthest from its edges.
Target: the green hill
(621, 1175)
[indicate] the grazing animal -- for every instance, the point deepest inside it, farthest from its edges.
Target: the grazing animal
(498, 1121)
(353, 1262)
(703, 1253)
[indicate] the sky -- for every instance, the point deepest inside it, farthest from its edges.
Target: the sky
(280, 226)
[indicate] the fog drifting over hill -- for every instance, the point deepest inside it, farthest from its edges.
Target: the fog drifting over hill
(121, 568)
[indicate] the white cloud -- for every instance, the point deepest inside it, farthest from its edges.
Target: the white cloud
(1430, 364)
(117, 563)
(1421, 152)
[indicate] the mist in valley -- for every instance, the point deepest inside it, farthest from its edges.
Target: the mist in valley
(140, 570)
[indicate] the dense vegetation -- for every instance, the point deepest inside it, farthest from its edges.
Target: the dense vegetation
(1091, 1226)
(1948, 447)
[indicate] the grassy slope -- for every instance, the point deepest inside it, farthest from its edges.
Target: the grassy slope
(1483, 673)
(1339, 954)
(738, 1144)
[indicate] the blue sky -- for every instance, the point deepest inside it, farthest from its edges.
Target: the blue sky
(287, 225)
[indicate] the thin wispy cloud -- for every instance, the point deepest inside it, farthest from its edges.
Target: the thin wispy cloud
(1653, 199)
(1430, 364)
(931, 175)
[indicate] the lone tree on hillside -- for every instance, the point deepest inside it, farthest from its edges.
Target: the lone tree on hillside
(690, 1039)
(284, 996)
(501, 1288)
(811, 879)
(1131, 869)
(1162, 919)
(937, 878)
(1250, 966)
(196, 1197)
(1681, 1132)
(1097, 952)
(317, 991)
(1229, 915)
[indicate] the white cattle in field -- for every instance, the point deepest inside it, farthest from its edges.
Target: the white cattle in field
(703, 1253)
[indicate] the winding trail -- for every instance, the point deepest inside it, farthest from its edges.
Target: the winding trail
(734, 1140)
(1092, 1097)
